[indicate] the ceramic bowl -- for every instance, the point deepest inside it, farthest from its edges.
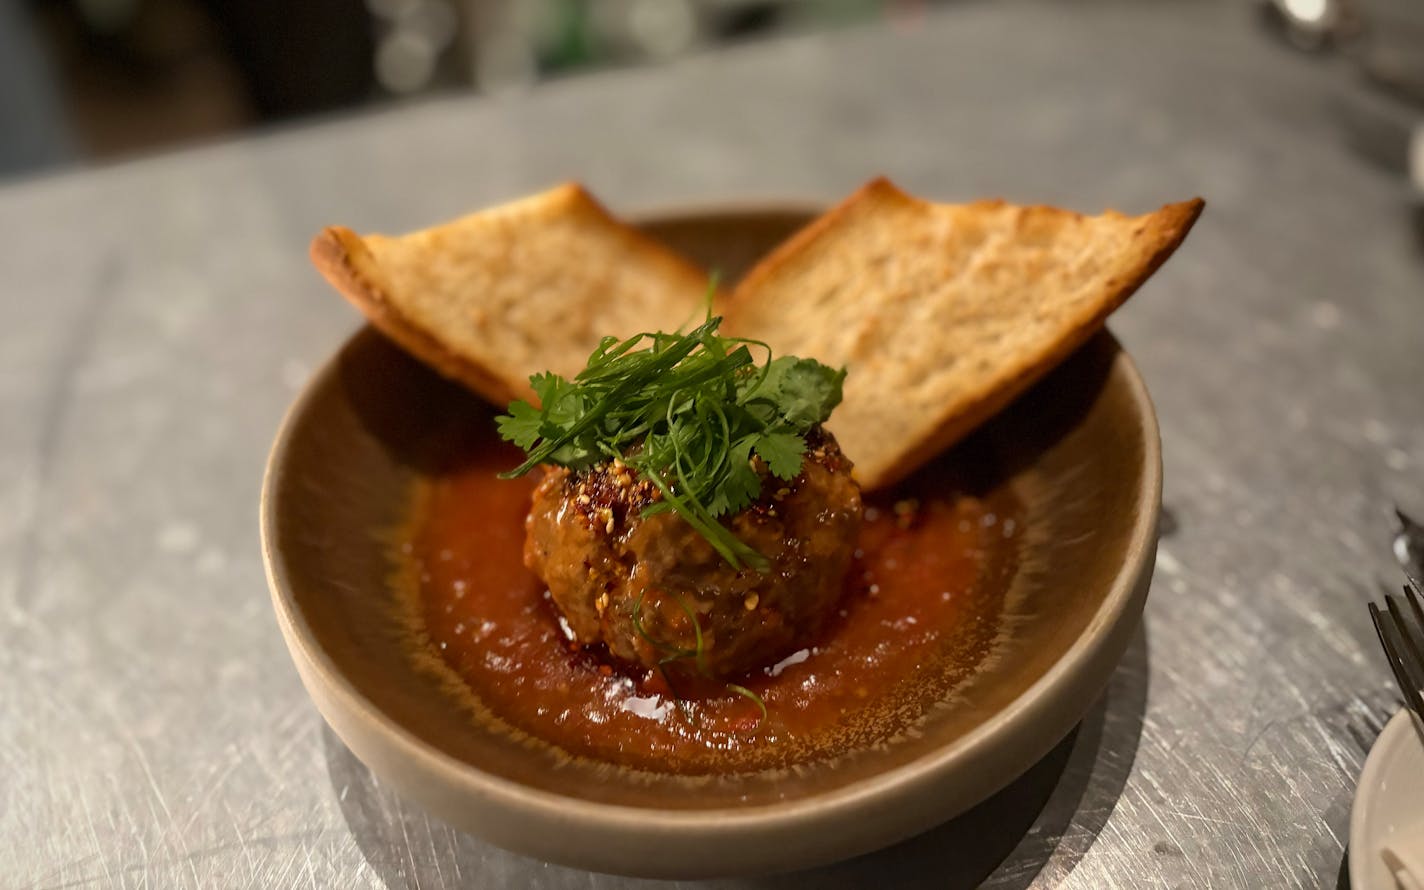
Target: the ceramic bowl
(1080, 450)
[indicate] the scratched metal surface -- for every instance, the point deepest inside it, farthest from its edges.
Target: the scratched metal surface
(159, 315)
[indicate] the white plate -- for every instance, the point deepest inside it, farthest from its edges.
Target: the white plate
(1388, 801)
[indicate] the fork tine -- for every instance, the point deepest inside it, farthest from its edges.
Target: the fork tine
(1387, 643)
(1384, 626)
(1411, 650)
(1411, 593)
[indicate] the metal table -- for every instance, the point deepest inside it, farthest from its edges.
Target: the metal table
(159, 315)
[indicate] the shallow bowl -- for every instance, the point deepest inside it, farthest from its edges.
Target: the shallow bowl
(1080, 451)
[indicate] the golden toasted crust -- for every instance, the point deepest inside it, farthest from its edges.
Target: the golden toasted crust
(943, 313)
(493, 297)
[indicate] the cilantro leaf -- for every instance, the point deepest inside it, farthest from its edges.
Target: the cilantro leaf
(685, 411)
(804, 390)
(547, 386)
(782, 452)
(521, 425)
(739, 488)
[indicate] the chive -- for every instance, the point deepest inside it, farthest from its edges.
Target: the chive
(744, 692)
(686, 411)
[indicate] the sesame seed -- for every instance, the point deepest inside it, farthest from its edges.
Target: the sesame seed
(751, 601)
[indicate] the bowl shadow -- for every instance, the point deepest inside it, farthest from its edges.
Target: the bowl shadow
(1034, 832)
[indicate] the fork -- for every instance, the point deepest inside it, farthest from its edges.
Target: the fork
(1401, 634)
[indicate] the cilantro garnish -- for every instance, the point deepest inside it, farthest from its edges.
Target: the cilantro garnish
(687, 412)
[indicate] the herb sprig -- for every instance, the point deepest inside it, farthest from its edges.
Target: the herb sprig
(688, 412)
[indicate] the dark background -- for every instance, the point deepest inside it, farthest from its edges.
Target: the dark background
(84, 79)
(96, 79)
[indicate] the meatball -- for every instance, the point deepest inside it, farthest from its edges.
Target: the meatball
(638, 583)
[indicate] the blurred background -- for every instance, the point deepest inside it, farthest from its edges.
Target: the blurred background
(85, 80)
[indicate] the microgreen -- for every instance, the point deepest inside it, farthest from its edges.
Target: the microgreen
(688, 412)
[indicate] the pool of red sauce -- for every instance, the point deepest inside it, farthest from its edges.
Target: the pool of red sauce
(920, 609)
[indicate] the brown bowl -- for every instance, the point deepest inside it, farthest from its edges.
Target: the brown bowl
(1080, 451)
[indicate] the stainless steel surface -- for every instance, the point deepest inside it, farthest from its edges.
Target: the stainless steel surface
(159, 315)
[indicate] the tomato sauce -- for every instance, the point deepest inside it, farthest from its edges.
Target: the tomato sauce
(920, 611)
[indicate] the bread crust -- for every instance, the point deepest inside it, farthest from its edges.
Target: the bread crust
(342, 258)
(346, 260)
(1169, 227)
(753, 312)
(375, 274)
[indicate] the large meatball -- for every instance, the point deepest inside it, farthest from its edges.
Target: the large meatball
(634, 583)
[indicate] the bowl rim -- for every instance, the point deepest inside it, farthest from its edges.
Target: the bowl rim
(816, 808)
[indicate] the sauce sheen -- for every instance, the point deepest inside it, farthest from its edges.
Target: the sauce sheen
(920, 612)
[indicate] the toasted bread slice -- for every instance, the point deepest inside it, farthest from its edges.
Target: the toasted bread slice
(501, 294)
(943, 314)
